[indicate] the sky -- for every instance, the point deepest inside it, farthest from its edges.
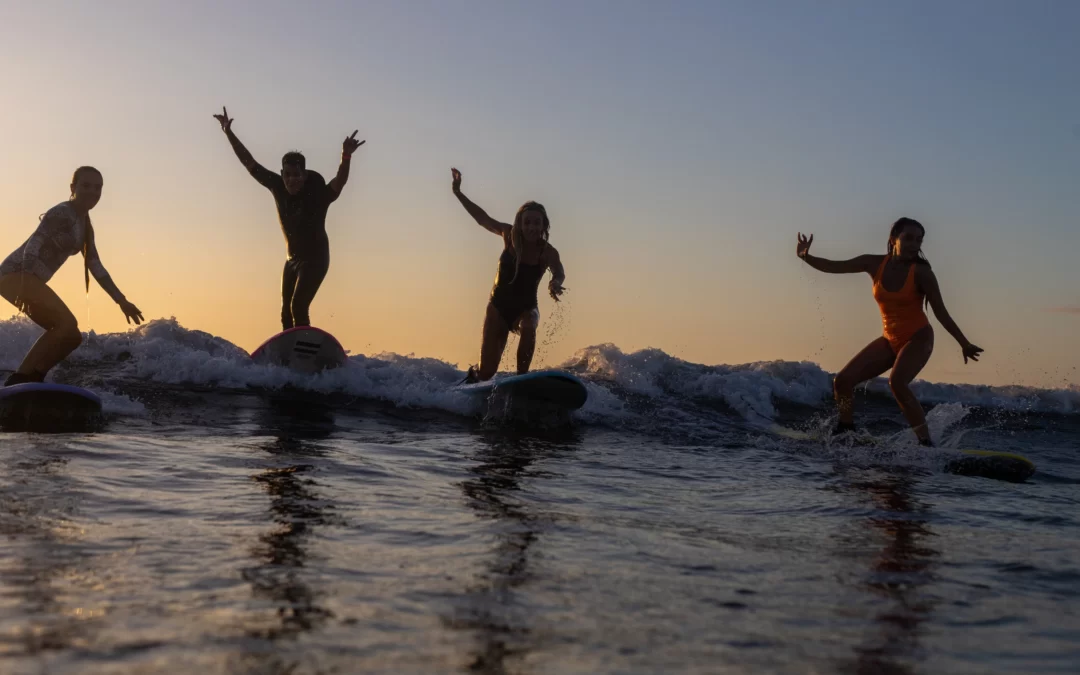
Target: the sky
(678, 147)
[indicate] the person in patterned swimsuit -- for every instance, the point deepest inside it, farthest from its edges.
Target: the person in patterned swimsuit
(65, 230)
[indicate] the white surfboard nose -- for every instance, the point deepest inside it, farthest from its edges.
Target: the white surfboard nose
(304, 349)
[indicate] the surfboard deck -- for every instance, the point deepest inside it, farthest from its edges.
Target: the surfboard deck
(547, 386)
(305, 349)
(45, 406)
(995, 464)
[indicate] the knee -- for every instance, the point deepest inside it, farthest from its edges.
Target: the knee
(69, 331)
(898, 387)
(843, 383)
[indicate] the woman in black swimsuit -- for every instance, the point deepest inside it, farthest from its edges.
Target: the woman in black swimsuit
(513, 306)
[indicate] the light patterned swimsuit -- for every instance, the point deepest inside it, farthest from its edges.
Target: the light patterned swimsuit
(59, 236)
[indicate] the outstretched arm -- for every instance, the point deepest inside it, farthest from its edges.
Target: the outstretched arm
(478, 214)
(862, 263)
(558, 274)
(93, 264)
(927, 281)
(257, 171)
(347, 149)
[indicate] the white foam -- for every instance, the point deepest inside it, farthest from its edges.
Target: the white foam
(164, 351)
(753, 389)
(17, 336)
(750, 389)
(118, 404)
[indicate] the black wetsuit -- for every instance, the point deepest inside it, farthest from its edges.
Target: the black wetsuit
(514, 298)
(303, 222)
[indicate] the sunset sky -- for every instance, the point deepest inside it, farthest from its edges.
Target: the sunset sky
(678, 148)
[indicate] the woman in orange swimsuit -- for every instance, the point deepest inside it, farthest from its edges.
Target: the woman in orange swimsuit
(903, 282)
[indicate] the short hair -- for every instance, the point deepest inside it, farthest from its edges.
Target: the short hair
(293, 158)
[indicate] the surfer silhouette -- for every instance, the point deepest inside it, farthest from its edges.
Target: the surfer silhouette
(526, 256)
(903, 283)
(64, 230)
(302, 198)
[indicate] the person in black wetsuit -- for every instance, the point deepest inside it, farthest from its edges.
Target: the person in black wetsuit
(302, 199)
(526, 256)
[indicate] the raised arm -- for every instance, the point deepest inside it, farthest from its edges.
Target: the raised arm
(478, 214)
(863, 263)
(928, 283)
(259, 172)
(347, 149)
(558, 274)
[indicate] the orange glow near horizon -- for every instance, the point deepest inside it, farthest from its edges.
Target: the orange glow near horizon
(674, 201)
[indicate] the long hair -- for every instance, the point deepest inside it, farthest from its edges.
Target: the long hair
(894, 234)
(517, 233)
(88, 237)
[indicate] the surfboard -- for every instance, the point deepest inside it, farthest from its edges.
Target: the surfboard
(45, 406)
(304, 349)
(793, 434)
(1006, 466)
(547, 386)
(992, 464)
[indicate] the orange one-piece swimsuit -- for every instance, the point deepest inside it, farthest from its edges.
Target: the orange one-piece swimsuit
(902, 312)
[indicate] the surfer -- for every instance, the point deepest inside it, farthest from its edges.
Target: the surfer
(903, 283)
(302, 199)
(63, 231)
(526, 256)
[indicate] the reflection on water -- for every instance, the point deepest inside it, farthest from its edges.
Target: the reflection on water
(490, 610)
(296, 509)
(898, 574)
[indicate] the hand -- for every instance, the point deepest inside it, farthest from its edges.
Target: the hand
(351, 144)
(226, 121)
(131, 312)
(803, 247)
(456, 184)
(971, 352)
(555, 288)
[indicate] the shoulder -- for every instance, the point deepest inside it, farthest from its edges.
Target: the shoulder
(315, 179)
(62, 211)
(872, 262)
(925, 279)
(550, 254)
(267, 178)
(58, 219)
(924, 272)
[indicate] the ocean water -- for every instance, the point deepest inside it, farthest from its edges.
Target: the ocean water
(233, 518)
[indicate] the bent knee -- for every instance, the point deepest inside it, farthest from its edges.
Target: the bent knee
(67, 326)
(899, 386)
(843, 383)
